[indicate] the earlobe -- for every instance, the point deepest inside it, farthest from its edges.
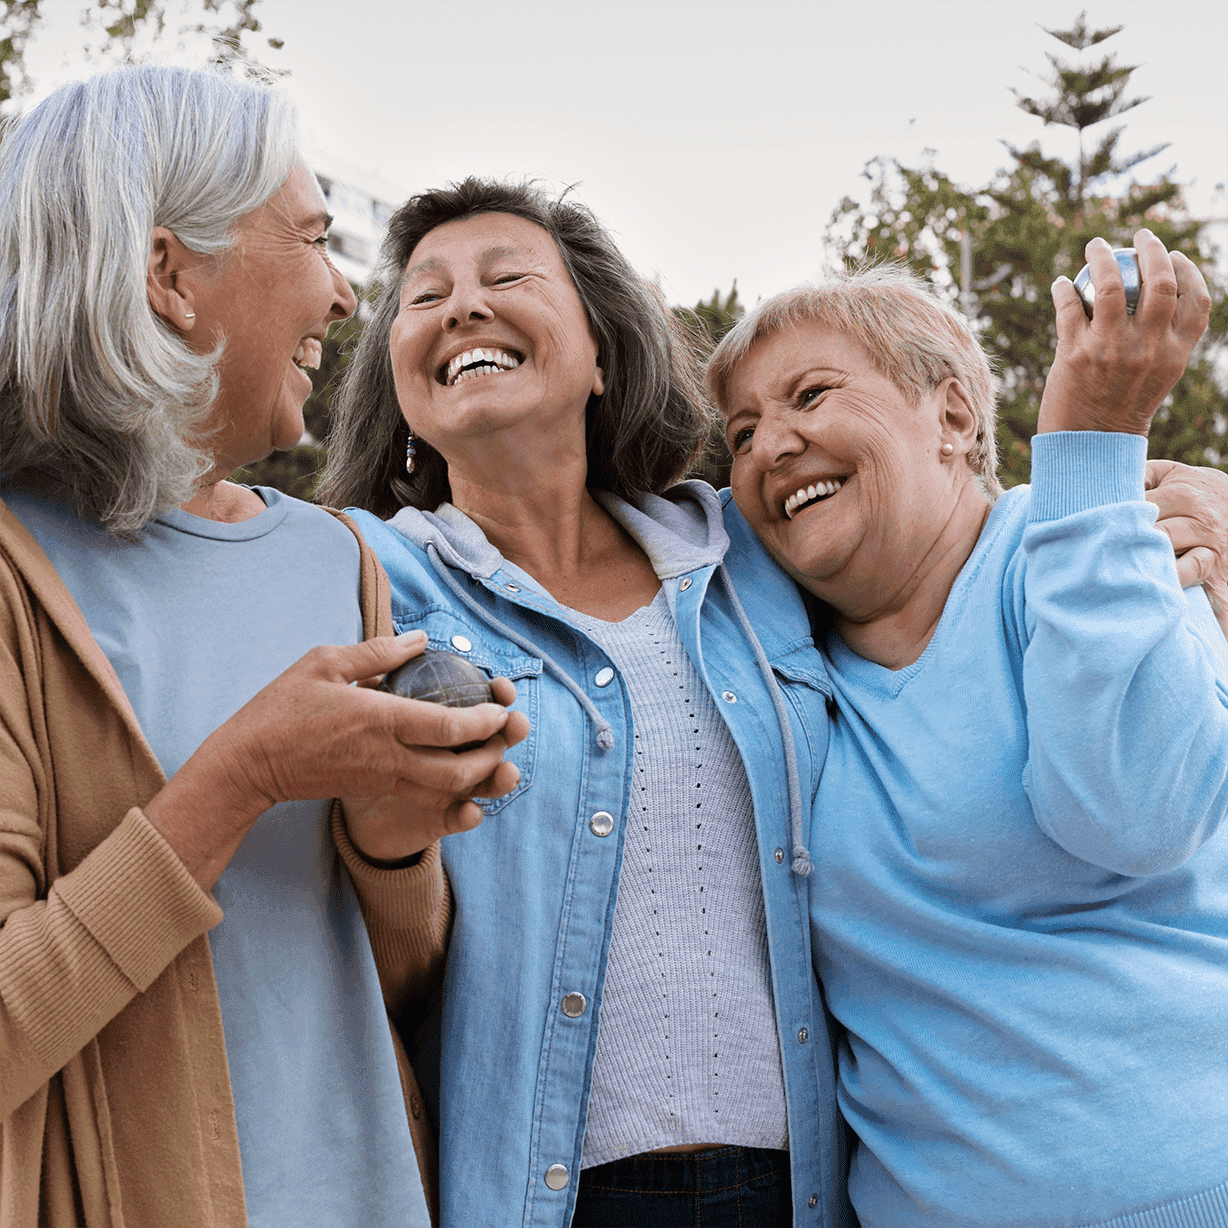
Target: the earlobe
(169, 292)
(598, 382)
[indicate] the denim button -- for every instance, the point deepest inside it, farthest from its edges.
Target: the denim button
(461, 644)
(803, 1036)
(729, 697)
(604, 676)
(602, 823)
(556, 1176)
(512, 588)
(574, 1005)
(812, 1201)
(779, 854)
(682, 588)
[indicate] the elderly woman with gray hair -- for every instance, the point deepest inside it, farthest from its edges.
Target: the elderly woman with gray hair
(1021, 914)
(198, 950)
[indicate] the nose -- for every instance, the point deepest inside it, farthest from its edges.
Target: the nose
(344, 301)
(466, 305)
(774, 442)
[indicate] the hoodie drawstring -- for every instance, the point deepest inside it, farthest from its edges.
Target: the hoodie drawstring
(605, 734)
(801, 854)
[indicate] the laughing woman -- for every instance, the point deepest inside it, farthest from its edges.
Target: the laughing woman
(1021, 917)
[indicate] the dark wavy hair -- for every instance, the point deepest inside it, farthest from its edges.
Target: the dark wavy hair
(643, 432)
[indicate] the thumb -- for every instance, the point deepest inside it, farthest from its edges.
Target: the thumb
(370, 658)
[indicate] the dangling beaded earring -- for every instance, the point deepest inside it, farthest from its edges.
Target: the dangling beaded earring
(410, 452)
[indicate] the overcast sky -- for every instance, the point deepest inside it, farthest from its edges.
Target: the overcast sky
(715, 137)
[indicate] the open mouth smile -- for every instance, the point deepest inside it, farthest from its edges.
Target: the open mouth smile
(309, 354)
(477, 362)
(806, 495)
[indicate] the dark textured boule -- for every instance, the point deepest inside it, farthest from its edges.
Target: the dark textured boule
(1127, 262)
(439, 678)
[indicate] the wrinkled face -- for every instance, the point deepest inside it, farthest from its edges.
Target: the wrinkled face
(491, 333)
(272, 300)
(837, 473)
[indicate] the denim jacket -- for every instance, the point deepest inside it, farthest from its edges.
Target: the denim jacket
(535, 884)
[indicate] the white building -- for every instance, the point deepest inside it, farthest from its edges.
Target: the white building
(361, 203)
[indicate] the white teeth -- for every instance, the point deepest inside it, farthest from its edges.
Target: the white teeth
(479, 362)
(310, 353)
(808, 494)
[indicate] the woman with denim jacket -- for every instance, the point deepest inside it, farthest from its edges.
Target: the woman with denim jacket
(650, 868)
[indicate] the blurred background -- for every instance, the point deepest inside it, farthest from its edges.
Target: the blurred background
(737, 147)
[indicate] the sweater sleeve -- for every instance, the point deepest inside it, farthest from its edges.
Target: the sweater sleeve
(1125, 676)
(408, 913)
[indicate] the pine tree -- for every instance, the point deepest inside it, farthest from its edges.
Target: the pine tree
(1031, 224)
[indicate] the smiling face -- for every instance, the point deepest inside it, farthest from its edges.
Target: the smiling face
(271, 300)
(842, 478)
(491, 335)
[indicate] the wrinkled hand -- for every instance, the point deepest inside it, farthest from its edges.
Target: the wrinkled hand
(414, 817)
(1112, 372)
(1193, 511)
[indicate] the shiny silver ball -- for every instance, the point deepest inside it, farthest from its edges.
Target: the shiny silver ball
(1127, 262)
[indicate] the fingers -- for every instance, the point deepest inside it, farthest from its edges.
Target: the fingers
(1193, 306)
(1159, 471)
(1157, 298)
(1106, 278)
(364, 661)
(1071, 318)
(1197, 566)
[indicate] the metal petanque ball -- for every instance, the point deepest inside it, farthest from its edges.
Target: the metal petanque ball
(1127, 262)
(440, 678)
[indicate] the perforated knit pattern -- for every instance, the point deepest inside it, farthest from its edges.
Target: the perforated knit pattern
(687, 1049)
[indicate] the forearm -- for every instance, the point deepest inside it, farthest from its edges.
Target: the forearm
(1128, 732)
(71, 962)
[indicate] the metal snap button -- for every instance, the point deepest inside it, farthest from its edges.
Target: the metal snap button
(779, 854)
(604, 676)
(461, 644)
(556, 1176)
(684, 585)
(812, 1201)
(574, 1005)
(729, 697)
(803, 1036)
(512, 588)
(602, 823)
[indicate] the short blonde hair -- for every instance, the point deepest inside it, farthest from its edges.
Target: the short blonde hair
(912, 338)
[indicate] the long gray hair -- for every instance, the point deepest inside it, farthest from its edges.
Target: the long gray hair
(93, 385)
(643, 431)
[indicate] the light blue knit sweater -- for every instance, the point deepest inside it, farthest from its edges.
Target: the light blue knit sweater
(1021, 897)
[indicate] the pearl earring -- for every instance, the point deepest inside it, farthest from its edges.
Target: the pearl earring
(947, 449)
(410, 452)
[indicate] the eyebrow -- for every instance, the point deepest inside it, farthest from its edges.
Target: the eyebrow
(432, 263)
(317, 219)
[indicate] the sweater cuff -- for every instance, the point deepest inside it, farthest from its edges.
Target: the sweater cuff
(411, 898)
(137, 900)
(1076, 470)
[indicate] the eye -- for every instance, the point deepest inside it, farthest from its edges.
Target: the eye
(505, 279)
(809, 396)
(321, 241)
(425, 296)
(740, 438)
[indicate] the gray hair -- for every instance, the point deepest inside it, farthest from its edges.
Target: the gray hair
(912, 337)
(643, 432)
(94, 386)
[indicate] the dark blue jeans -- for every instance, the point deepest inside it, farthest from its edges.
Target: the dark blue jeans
(728, 1187)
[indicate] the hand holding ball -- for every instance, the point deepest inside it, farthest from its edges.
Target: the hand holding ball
(440, 678)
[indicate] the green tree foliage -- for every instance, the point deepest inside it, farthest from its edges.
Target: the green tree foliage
(1029, 225)
(121, 26)
(705, 324)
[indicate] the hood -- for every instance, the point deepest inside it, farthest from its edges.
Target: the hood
(679, 531)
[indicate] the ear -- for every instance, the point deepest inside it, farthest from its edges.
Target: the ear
(169, 290)
(957, 419)
(599, 382)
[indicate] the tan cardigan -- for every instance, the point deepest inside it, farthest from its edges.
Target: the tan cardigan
(114, 1088)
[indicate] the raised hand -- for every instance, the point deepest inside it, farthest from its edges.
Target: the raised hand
(1112, 372)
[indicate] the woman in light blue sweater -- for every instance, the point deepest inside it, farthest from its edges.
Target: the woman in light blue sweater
(1020, 910)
